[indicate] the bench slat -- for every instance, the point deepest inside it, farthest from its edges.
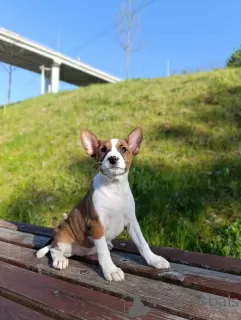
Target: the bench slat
(196, 278)
(27, 240)
(26, 227)
(192, 277)
(10, 310)
(64, 300)
(183, 302)
(196, 259)
(200, 279)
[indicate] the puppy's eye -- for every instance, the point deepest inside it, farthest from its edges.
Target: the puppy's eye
(103, 149)
(123, 149)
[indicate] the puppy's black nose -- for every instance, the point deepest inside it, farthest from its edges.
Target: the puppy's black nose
(113, 159)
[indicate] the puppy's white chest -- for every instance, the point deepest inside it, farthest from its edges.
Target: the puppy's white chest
(114, 205)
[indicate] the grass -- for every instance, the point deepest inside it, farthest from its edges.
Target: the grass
(186, 180)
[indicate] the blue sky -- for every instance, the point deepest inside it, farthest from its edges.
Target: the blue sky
(192, 34)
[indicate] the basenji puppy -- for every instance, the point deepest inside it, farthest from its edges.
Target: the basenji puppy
(105, 211)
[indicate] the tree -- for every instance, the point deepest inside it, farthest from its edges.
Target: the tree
(235, 59)
(128, 21)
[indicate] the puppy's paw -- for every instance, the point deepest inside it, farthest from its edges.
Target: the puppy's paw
(110, 245)
(159, 262)
(60, 263)
(113, 274)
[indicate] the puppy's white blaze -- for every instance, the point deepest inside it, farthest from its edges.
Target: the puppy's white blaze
(42, 252)
(113, 145)
(114, 151)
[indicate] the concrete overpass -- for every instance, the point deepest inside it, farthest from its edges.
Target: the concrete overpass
(53, 66)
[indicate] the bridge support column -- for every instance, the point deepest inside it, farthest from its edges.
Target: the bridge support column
(55, 69)
(42, 79)
(47, 84)
(45, 80)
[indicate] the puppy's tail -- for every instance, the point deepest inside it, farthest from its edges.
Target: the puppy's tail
(42, 252)
(65, 215)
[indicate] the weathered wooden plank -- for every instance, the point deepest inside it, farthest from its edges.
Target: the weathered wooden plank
(192, 277)
(201, 279)
(179, 301)
(26, 227)
(196, 259)
(27, 240)
(64, 300)
(10, 310)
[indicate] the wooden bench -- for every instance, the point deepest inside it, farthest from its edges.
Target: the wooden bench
(198, 286)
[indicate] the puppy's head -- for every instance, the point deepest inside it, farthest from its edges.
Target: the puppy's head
(113, 156)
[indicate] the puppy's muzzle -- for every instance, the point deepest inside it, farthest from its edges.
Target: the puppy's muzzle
(113, 159)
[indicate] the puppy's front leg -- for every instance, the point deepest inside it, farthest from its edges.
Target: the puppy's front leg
(136, 235)
(110, 270)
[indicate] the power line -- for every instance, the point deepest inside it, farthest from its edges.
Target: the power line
(112, 27)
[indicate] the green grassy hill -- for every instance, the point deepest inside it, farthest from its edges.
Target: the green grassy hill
(186, 180)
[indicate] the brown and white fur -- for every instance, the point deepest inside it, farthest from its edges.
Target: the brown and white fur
(105, 211)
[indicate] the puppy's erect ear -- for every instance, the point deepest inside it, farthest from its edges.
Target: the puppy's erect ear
(134, 140)
(89, 142)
